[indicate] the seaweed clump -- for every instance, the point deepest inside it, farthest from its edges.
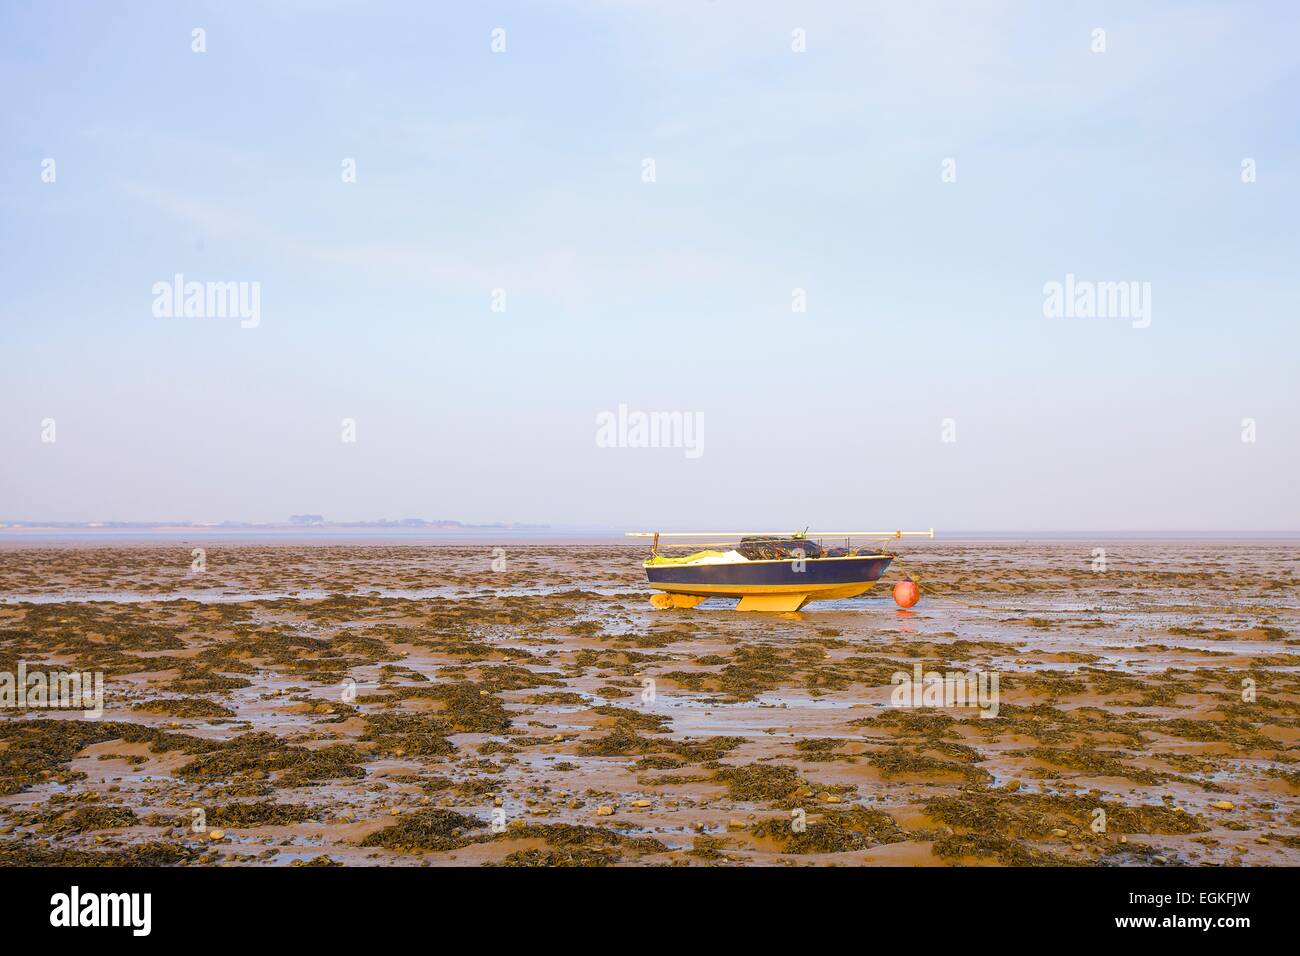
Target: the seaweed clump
(415, 735)
(574, 845)
(621, 741)
(471, 709)
(1095, 763)
(155, 853)
(568, 835)
(185, 707)
(89, 818)
(758, 782)
(569, 856)
(839, 831)
(40, 750)
(239, 816)
(264, 753)
(1036, 815)
(430, 829)
(899, 762)
(1006, 851)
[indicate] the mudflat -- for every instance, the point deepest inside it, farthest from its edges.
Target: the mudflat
(399, 704)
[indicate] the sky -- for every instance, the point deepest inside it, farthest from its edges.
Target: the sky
(563, 208)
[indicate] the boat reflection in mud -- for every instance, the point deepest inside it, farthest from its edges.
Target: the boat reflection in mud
(768, 572)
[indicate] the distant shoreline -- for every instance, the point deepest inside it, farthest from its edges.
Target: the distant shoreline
(21, 537)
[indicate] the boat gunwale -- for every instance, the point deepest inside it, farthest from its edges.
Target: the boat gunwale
(838, 557)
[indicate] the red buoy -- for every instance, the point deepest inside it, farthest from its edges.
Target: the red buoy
(906, 593)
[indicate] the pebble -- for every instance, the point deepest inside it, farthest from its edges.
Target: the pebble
(640, 803)
(1222, 805)
(216, 834)
(604, 810)
(1058, 833)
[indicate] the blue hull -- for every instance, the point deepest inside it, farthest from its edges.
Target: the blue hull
(748, 577)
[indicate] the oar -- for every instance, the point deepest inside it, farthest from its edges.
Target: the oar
(782, 534)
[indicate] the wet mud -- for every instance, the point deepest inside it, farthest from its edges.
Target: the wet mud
(406, 705)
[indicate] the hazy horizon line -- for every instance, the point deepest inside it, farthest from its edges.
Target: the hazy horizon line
(364, 529)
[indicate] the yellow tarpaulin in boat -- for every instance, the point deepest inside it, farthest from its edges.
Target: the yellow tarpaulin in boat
(690, 558)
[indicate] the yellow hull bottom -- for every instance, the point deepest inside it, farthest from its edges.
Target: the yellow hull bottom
(755, 597)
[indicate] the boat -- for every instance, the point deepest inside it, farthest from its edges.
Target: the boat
(767, 571)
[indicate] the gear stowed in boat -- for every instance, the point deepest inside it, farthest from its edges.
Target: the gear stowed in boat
(767, 571)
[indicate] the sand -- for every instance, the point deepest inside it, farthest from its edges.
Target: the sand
(398, 704)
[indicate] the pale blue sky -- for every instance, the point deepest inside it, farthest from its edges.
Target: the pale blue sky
(775, 170)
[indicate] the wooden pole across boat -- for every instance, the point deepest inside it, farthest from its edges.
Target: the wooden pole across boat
(782, 534)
